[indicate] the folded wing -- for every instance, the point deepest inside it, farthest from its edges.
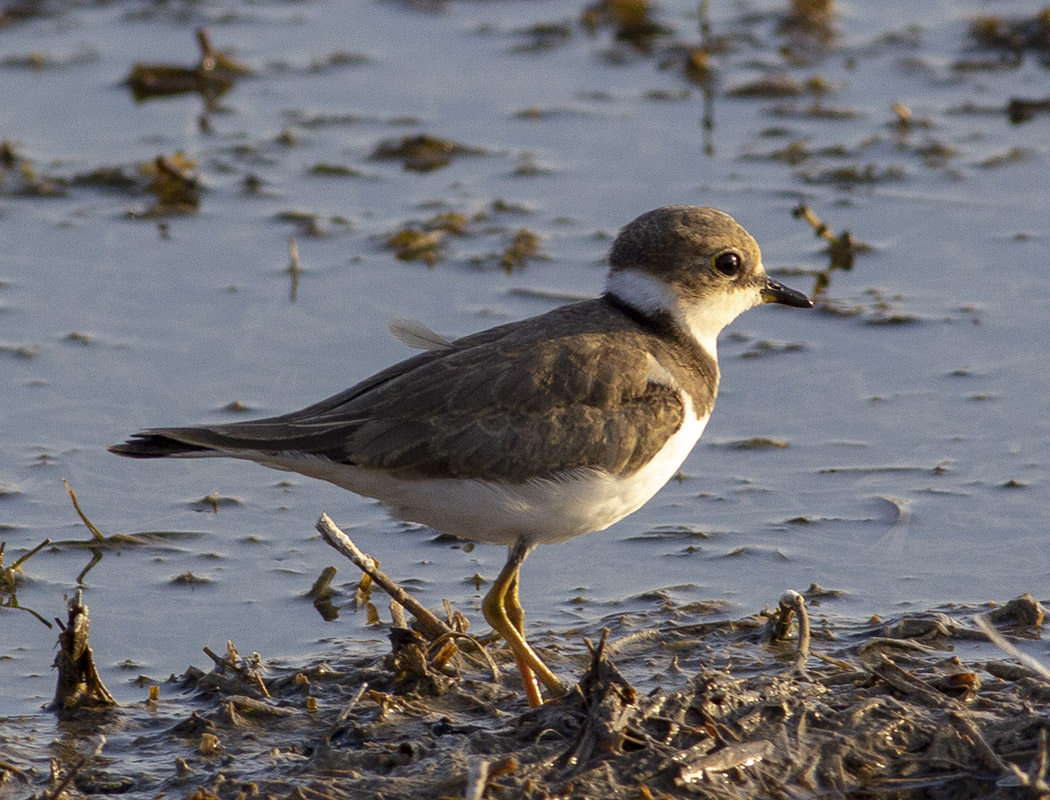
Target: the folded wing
(480, 408)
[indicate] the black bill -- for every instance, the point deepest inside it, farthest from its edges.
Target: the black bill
(778, 293)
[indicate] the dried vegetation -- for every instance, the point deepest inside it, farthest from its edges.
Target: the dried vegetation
(755, 707)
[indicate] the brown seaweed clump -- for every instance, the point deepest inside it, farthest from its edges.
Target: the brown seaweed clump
(428, 240)
(523, 246)
(632, 21)
(213, 75)
(422, 153)
(1014, 37)
(425, 241)
(173, 181)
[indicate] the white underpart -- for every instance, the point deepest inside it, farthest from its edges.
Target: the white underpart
(542, 510)
(704, 319)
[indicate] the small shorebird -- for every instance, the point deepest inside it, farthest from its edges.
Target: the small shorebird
(536, 431)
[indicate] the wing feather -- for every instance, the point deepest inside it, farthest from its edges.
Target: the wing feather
(493, 405)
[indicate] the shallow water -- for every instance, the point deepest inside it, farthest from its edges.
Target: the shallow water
(916, 466)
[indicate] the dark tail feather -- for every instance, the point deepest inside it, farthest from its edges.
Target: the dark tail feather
(152, 445)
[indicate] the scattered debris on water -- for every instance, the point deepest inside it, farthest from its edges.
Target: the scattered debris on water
(841, 247)
(767, 705)
(523, 246)
(422, 153)
(79, 685)
(632, 22)
(213, 75)
(773, 704)
(173, 181)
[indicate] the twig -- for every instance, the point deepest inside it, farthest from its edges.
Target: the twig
(310, 793)
(337, 726)
(220, 661)
(477, 779)
(903, 681)
(1035, 778)
(695, 766)
(797, 603)
(843, 665)
(397, 614)
(243, 671)
(791, 604)
(453, 635)
(96, 534)
(705, 24)
(1007, 647)
(353, 702)
(7, 766)
(259, 683)
(96, 556)
(966, 728)
(820, 228)
(55, 793)
(841, 248)
(293, 266)
(330, 532)
(323, 585)
(207, 51)
(27, 556)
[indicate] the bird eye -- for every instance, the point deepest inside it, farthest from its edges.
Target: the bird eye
(727, 263)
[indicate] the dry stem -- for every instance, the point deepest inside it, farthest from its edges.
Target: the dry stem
(96, 534)
(331, 533)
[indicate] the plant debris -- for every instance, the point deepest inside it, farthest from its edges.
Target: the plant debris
(412, 244)
(812, 17)
(762, 706)
(841, 247)
(422, 153)
(427, 240)
(1021, 110)
(543, 36)
(173, 180)
(212, 76)
(631, 21)
(523, 246)
(668, 704)
(79, 685)
(1013, 37)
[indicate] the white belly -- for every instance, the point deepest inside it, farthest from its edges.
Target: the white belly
(542, 511)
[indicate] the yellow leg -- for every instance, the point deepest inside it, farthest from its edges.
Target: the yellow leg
(502, 609)
(512, 603)
(516, 617)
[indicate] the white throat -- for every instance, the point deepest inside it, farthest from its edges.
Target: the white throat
(704, 319)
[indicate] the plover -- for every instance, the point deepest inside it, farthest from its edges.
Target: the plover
(536, 431)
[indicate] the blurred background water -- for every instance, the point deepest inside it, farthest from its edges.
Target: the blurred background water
(902, 427)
